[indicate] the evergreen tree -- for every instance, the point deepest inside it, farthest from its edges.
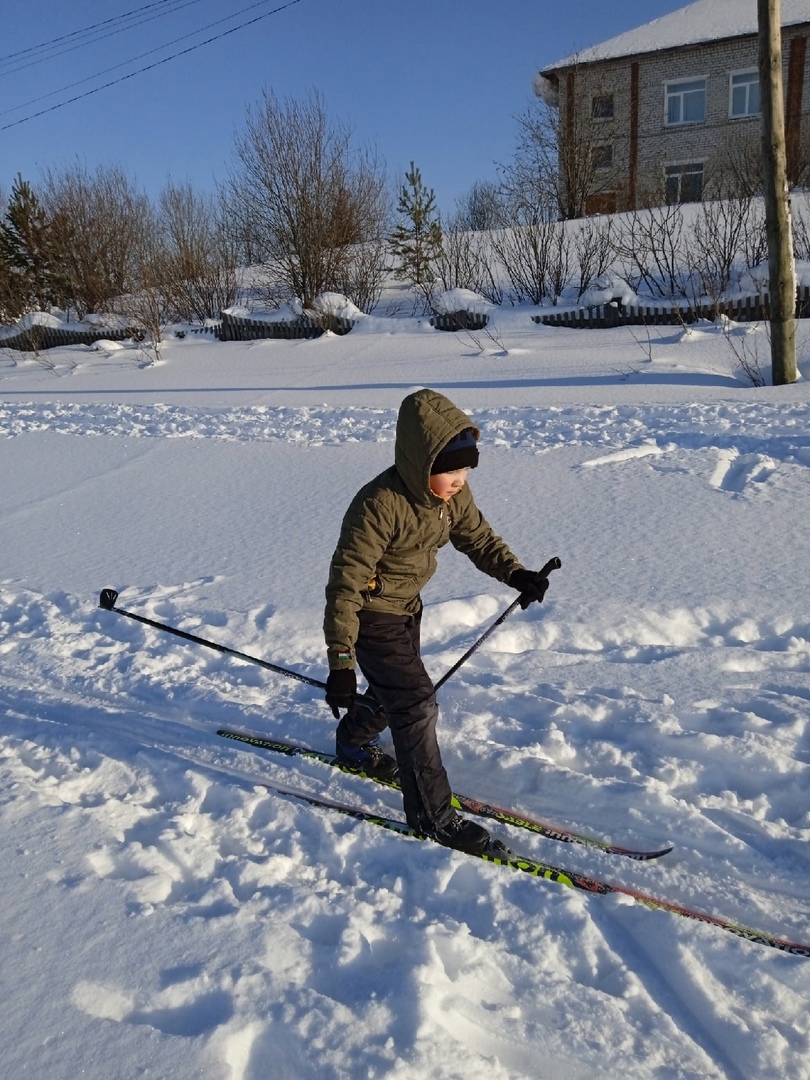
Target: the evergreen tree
(31, 250)
(417, 239)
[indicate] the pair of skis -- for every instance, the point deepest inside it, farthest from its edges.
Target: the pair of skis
(500, 855)
(460, 802)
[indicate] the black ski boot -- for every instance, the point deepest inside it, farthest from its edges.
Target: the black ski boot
(463, 835)
(370, 759)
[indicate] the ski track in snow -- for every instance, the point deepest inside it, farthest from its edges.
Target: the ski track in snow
(289, 927)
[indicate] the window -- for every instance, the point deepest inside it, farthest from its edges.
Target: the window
(602, 107)
(744, 94)
(683, 183)
(603, 202)
(602, 156)
(686, 101)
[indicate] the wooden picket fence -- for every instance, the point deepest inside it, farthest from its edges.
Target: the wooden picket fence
(243, 328)
(614, 313)
(37, 338)
(459, 320)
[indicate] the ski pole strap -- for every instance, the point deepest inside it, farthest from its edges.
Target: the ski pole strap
(107, 600)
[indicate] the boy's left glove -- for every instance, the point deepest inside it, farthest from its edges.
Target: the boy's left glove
(341, 690)
(530, 584)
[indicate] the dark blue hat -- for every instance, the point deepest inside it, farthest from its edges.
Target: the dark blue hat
(460, 453)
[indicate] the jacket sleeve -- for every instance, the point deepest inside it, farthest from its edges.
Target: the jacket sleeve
(472, 534)
(364, 537)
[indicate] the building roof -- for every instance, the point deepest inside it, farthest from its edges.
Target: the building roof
(698, 22)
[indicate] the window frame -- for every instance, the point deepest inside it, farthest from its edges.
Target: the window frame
(668, 93)
(747, 115)
(603, 98)
(602, 156)
(680, 169)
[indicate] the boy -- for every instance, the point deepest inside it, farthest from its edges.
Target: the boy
(385, 555)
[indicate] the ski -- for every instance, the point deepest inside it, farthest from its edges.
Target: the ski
(460, 802)
(500, 855)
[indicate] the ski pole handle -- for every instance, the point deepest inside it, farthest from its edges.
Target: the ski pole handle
(552, 564)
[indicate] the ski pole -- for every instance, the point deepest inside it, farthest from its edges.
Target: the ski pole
(552, 564)
(108, 597)
(107, 601)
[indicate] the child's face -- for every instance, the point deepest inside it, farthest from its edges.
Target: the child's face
(447, 484)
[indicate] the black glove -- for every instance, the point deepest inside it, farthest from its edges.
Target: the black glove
(341, 688)
(530, 584)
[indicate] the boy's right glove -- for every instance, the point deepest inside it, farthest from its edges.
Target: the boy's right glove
(530, 584)
(341, 690)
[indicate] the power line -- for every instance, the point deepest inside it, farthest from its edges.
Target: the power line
(131, 60)
(157, 63)
(60, 46)
(75, 33)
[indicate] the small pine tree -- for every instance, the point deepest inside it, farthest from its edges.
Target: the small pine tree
(31, 250)
(417, 240)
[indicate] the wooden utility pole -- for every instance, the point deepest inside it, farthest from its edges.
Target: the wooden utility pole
(777, 201)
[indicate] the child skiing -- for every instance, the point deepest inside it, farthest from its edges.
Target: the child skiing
(386, 553)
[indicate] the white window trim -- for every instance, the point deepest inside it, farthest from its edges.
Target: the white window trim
(731, 74)
(675, 82)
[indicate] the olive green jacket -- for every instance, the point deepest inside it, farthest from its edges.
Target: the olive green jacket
(395, 525)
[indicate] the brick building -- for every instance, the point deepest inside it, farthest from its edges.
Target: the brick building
(670, 112)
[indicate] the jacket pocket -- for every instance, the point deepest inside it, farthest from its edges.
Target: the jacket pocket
(395, 588)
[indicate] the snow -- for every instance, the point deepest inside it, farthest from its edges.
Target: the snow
(167, 915)
(693, 24)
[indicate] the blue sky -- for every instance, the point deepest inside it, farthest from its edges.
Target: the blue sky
(439, 82)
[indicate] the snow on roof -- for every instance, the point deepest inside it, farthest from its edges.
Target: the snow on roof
(701, 21)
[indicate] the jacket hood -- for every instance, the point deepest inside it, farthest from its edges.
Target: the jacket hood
(427, 421)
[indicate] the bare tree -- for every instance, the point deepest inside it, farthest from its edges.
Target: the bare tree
(304, 196)
(564, 159)
(201, 253)
(481, 209)
(530, 188)
(104, 212)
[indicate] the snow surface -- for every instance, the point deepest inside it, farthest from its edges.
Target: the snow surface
(693, 24)
(167, 916)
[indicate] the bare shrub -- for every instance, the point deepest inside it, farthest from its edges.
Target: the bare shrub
(559, 266)
(594, 251)
(149, 307)
(200, 273)
(650, 249)
(536, 256)
(525, 252)
(464, 262)
(715, 250)
(744, 344)
(800, 220)
(362, 276)
(104, 212)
